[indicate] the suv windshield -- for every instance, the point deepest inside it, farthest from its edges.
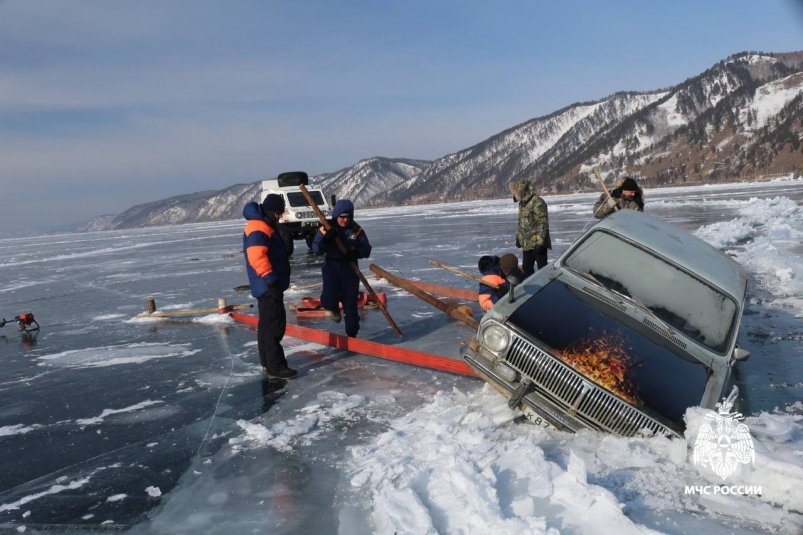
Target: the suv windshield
(613, 350)
(681, 300)
(296, 198)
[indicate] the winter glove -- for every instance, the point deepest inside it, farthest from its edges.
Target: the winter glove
(329, 237)
(518, 243)
(611, 203)
(616, 193)
(271, 280)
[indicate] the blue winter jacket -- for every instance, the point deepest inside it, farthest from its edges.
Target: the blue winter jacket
(352, 236)
(266, 259)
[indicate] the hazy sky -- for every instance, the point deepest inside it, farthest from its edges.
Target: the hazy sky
(106, 104)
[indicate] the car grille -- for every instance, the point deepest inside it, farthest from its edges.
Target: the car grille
(577, 395)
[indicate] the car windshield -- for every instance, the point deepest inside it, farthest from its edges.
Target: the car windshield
(297, 198)
(613, 350)
(678, 298)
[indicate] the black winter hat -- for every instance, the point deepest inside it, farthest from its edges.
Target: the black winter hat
(487, 263)
(273, 203)
(629, 184)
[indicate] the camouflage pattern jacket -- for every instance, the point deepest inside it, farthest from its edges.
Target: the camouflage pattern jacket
(601, 208)
(533, 228)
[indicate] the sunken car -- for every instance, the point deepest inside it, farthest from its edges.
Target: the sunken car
(633, 324)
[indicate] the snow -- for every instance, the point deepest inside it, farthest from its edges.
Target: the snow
(115, 355)
(109, 412)
(770, 99)
(171, 430)
(762, 239)
(17, 429)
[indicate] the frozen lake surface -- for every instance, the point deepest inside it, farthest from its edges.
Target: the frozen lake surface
(112, 423)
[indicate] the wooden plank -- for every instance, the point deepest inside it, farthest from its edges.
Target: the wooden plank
(445, 291)
(454, 311)
(190, 311)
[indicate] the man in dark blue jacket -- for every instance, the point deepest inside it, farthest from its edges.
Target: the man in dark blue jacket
(268, 267)
(340, 282)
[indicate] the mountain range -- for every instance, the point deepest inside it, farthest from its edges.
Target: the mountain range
(741, 119)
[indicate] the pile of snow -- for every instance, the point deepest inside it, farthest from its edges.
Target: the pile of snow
(763, 239)
(463, 465)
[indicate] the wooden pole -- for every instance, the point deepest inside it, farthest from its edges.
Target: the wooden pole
(150, 305)
(605, 188)
(444, 291)
(453, 311)
(344, 251)
(192, 311)
(463, 273)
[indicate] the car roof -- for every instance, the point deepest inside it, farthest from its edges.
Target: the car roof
(680, 247)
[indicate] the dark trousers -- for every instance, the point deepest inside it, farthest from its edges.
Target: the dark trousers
(270, 331)
(341, 285)
(532, 258)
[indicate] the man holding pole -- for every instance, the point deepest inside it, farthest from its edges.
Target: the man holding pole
(626, 196)
(340, 282)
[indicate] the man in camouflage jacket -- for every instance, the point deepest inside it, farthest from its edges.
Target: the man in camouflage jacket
(627, 195)
(532, 234)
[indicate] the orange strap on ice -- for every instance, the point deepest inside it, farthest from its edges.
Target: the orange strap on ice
(366, 347)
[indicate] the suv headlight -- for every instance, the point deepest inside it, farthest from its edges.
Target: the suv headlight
(496, 338)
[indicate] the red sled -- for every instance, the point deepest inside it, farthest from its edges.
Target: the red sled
(310, 307)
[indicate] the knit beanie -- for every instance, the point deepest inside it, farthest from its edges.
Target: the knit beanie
(629, 184)
(487, 263)
(273, 203)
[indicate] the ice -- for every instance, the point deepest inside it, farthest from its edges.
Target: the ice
(165, 426)
(115, 355)
(110, 412)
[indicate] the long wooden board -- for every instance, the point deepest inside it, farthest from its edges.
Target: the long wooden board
(454, 311)
(366, 347)
(445, 291)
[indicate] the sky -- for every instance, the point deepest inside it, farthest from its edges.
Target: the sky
(107, 104)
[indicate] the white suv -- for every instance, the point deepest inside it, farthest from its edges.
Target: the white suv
(298, 220)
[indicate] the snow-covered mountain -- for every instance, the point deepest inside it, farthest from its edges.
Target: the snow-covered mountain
(195, 207)
(367, 182)
(741, 118)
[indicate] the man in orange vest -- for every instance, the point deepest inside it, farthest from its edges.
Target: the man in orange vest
(268, 267)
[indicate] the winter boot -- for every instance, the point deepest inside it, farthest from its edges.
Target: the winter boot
(334, 315)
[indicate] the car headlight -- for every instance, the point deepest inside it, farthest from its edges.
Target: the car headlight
(495, 338)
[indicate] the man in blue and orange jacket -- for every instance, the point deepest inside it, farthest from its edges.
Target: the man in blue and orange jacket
(492, 286)
(268, 267)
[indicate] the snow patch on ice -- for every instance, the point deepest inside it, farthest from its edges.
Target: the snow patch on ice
(153, 492)
(17, 429)
(215, 319)
(96, 357)
(312, 422)
(109, 412)
(53, 489)
(107, 317)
